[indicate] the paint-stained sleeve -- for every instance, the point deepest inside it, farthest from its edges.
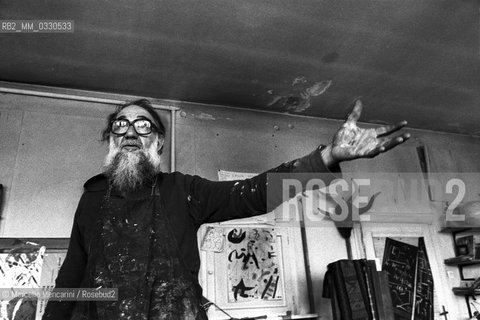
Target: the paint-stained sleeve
(71, 272)
(212, 201)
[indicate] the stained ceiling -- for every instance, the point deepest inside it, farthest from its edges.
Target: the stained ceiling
(407, 59)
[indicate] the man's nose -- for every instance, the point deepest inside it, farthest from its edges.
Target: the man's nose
(131, 133)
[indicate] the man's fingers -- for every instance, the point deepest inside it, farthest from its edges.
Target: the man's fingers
(356, 112)
(386, 130)
(389, 143)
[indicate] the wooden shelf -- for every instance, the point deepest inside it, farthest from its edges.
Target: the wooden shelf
(464, 291)
(455, 229)
(7, 244)
(461, 262)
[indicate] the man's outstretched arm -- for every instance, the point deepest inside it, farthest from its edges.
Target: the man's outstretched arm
(220, 201)
(351, 142)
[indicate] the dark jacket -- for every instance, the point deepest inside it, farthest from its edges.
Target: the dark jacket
(189, 201)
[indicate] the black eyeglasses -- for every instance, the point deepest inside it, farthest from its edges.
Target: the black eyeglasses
(141, 126)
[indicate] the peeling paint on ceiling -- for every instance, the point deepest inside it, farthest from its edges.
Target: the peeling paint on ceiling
(299, 98)
(410, 60)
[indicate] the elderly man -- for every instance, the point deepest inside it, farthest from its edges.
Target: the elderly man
(135, 226)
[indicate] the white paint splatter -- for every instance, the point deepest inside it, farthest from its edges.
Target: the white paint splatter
(318, 88)
(299, 80)
(299, 101)
(205, 116)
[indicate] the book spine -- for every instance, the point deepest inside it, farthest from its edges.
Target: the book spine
(387, 303)
(375, 290)
(354, 291)
(330, 292)
(364, 286)
(340, 290)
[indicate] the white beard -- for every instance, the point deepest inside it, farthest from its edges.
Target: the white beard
(130, 170)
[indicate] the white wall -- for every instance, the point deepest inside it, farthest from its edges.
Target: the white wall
(50, 147)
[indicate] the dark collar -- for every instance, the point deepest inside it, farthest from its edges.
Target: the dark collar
(100, 183)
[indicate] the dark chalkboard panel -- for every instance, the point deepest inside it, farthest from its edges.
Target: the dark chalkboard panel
(399, 261)
(424, 289)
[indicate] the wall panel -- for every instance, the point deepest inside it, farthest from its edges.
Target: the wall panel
(49, 147)
(10, 126)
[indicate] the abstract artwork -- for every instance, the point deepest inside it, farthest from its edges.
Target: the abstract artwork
(254, 265)
(20, 268)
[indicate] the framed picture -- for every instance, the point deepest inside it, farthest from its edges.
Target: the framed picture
(31, 264)
(256, 272)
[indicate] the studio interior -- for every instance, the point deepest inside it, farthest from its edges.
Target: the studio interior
(253, 159)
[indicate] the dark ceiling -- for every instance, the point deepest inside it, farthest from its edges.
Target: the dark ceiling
(408, 59)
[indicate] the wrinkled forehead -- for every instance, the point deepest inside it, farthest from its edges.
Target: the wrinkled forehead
(135, 112)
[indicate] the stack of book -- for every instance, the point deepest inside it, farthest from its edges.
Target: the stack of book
(358, 291)
(468, 245)
(467, 249)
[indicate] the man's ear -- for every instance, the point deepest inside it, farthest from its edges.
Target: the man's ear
(160, 143)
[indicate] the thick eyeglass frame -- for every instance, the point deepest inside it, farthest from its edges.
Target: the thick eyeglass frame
(133, 123)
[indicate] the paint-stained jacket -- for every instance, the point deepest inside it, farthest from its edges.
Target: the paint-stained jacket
(189, 201)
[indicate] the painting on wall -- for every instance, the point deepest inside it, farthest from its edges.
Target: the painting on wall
(213, 240)
(20, 268)
(27, 274)
(254, 265)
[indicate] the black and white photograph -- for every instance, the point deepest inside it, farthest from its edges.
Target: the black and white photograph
(239, 159)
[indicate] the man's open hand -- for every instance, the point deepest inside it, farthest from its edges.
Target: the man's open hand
(351, 142)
